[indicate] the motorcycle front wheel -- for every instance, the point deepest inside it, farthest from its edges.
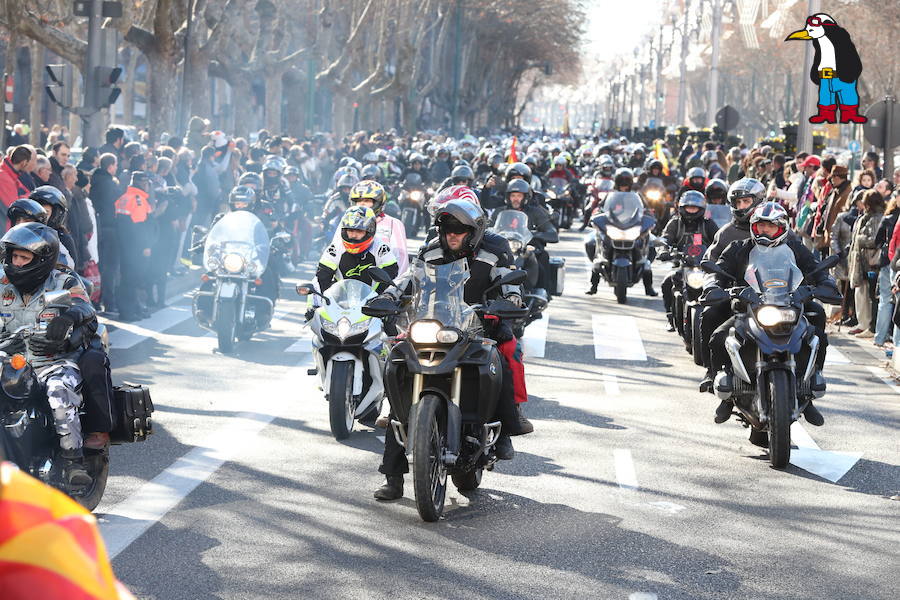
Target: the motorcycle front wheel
(429, 471)
(781, 402)
(340, 399)
(621, 290)
(225, 325)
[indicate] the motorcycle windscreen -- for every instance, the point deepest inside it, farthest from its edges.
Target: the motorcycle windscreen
(237, 244)
(440, 293)
(350, 293)
(773, 273)
(623, 209)
(719, 213)
(558, 184)
(513, 225)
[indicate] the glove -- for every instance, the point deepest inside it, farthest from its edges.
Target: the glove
(58, 328)
(14, 345)
(46, 347)
(309, 314)
(748, 295)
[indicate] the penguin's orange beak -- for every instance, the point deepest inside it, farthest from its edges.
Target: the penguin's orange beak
(799, 35)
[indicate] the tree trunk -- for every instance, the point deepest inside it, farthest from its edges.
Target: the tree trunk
(9, 65)
(409, 114)
(130, 83)
(37, 87)
(198, 83)
(162, 94)
(241, 106)
(274, 98)
(75, 120)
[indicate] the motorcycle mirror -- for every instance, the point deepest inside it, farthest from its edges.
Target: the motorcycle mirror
(825, 264)
(380, 308)
(306, 289)
(380, 275)
(711, 267)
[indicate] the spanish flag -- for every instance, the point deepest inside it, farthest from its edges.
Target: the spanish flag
(659, 155)
(49, 545)
(513, 157)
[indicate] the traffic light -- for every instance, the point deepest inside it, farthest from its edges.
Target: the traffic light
(58, 75)
(106, 78)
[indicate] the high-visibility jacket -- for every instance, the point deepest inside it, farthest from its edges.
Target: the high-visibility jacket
(134, 203)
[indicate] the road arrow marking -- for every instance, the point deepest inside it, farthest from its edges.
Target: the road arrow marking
(625, 474)
(823, 463)
(534, 342)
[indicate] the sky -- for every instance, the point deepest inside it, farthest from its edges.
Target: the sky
(617, 26)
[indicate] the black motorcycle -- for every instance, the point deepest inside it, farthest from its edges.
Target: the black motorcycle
(622, 233)
(443, 380)
(772, 346)
(413, 202)
(28, 435)
(565, 201)
(686, 307)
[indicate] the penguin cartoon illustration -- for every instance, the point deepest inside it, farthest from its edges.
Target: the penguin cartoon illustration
(836, 68)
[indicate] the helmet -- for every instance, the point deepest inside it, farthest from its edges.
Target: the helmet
(521, 186)
(412, 180)
(708, 157)
(369, 190)
(370, 158)
(560, 162)
(691, 198)
(695, 172)
(448, 194)
(460, 213)
(416, 157)
(716, 189)
(345, 161)
(460, 162)
(745, 188)
(531, 161)
(462, 175)
(624, 176)
(26, 208)
(360, 218)
(242, 197)
(654, 164)
(273, 164)
(40, 240)
(770, 212)
(347, 181)
(291, 170)
(251, 179)
(47, 194)
(607, 166)
(372, 172)
(518, 170)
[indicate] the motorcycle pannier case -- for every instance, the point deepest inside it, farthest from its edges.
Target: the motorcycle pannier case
(557, 275)
(133, 408)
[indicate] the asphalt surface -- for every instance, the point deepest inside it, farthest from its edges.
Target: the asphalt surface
(626, 489)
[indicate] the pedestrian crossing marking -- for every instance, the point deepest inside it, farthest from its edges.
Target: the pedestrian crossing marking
(617, 337)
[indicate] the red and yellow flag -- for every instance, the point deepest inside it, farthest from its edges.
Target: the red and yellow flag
(513, 157)
(659, 155)
(50, 546)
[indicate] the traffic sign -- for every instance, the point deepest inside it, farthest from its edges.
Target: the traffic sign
(876, 126)
(854, 146)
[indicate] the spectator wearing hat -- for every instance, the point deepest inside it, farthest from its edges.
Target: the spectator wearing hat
(834, 203)
(864, 259)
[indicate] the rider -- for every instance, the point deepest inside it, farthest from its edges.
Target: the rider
(744, 196)
(769, 227)
(681, 232)
(519, 197)
(371, 194)
(461, 229)
(55, 204)
(359, 249)
(716, 191)
(695, 179)
(30, 253)
(26, 210)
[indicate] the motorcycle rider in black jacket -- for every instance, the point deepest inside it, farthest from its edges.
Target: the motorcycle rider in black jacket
(461, 228)
(519, 197)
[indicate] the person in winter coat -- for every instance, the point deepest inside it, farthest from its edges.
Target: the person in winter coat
(884, 325)
(79, 220)
(841, 237)
(12, 171)
(137, 233)
(105, 190)
(863, 260)
(832, 205)
(209, 193)
(197, 136)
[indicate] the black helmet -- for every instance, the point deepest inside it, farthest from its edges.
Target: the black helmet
(624, 176)
(26, 208)
(521, 186)
(745, 188)
(461, 213)
(462, 175)
(716, 191)
(691, 198)
(495, 159)
(413, 180)
(531, 161)
(371, 172)
(242, 197)
(518, 169)
(251, 179)
(40, 240)
(654, 164)
(47, 194)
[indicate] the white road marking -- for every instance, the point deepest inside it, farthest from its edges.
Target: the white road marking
(128, 335)
(885, 378)
(534, 342)
(611, 384)
(833, 356)
(809, 457)
(642, 596)
(625, 474)
(617, 337)
(128, 520)
(667, 507)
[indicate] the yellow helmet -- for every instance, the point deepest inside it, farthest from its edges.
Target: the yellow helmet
(369, 190)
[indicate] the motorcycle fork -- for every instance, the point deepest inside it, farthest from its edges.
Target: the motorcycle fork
(765, 365)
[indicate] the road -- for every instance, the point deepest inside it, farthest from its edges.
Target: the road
(626, 489)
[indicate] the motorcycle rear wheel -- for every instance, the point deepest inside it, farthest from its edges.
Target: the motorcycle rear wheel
(97, 463)
(429, 471)
(781, 401)
(340, 400)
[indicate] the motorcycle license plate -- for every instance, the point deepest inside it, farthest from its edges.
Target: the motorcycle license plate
(227, 289)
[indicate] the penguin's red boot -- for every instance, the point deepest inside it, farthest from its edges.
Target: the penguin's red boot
(849, 114)
(827, 114)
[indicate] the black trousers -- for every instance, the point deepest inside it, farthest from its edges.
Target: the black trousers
(710, 319)
(718, 356)
(394, 460)
(134, 277)
(108, 248)
(668, 289)
(97, 391)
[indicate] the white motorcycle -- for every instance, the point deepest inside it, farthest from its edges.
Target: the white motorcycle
(347, 346)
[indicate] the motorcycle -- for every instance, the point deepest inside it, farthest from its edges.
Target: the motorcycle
(513, 225)
(656, 196)
(347, 350)
(235, 254)
(622, 234)
(28, 435)
(443, 380)
(772, 346)
(563, 201)
(413, 199)
(686, 306)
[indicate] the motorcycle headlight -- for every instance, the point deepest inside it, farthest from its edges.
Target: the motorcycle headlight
(347, 329)
(424, 332)
(417, 196)
(233, 263)
(696, 279)
(654, 195)
(770, 316)
(623, 235)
